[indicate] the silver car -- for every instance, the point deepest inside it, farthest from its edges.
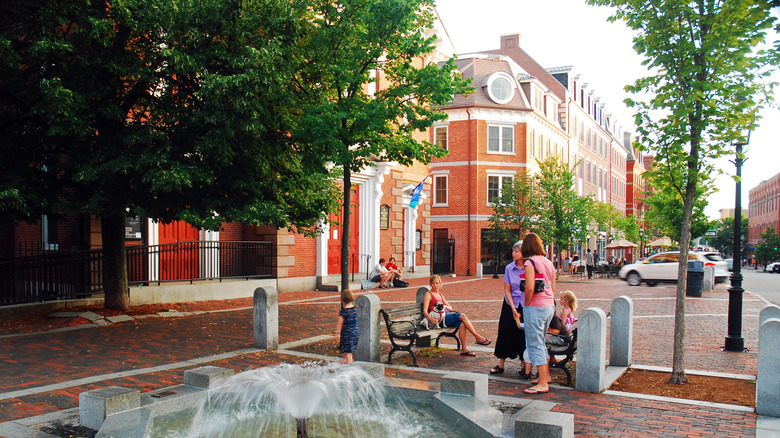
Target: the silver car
(662, 267)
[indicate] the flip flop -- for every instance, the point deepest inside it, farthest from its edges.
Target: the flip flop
(535, 391)
(496, 370)
(485, 342)
(468, 353)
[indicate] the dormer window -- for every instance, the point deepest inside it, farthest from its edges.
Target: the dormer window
(500, 87)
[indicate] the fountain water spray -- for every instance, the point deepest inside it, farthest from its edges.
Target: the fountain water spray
(320, 395)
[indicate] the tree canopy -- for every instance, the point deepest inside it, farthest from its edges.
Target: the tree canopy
(705, 86)
(723, 240)
(346, 116)
(162, 109)
(768, 248)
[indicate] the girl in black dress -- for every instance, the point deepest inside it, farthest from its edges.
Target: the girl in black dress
(510, 343)
(348, 326)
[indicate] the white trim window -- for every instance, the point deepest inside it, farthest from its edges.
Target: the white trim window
(440, 184)
(495, 183)
(440, 134)
(501, 139)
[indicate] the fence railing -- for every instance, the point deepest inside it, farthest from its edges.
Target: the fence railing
(60, 276)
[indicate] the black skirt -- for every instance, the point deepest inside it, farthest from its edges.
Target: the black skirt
(510, 342)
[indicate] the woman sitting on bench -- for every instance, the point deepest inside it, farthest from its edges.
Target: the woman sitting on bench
(451, 319)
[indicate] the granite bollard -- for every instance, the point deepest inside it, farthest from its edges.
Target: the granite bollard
(591, 350)
(265, 324)
(709, 279)
(621, 332)
(368, 348)
(768, 378)
(768, 312)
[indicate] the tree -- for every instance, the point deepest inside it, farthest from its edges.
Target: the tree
(665, 211)
(515, 209)
(346, 44)
(163, 109)
(723, 240)
(768, 248)
(605, 216)
(704, 87)
(562, 214)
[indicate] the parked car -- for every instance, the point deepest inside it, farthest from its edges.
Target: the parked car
(663, 267)
(773, 267)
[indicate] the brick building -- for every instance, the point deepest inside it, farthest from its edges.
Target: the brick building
(764, 211)
(519, 113)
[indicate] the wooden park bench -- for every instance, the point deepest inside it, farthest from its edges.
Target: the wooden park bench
(567, 351)
(403, 324)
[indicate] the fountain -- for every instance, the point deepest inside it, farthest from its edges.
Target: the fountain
(313, 397)
(308, 400)
(212, 403)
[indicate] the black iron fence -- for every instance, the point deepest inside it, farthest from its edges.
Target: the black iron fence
(61, 276)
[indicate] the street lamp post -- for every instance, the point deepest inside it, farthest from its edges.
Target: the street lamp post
(641, 244)
(734, 341)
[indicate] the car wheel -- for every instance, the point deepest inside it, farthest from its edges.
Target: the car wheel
(633, 279)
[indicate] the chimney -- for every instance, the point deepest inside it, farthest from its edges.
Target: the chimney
(511, 41)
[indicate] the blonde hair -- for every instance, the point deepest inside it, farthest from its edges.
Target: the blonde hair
(347, 297)
(569, 296)
(434, 278)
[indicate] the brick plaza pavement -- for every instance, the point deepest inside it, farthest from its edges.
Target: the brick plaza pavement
(44, 372)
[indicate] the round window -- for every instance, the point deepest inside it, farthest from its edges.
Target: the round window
(500, 89)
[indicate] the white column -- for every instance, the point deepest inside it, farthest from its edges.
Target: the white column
(370, 181)
(153, 238)
(410, 234)
(209, 253)
(322, 251)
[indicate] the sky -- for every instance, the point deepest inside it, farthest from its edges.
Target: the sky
(560, 33)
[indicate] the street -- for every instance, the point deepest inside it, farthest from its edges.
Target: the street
(765, 284)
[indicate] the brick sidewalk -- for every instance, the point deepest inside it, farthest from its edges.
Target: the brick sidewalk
(56, 366)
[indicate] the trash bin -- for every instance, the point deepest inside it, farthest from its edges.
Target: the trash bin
(695, 278)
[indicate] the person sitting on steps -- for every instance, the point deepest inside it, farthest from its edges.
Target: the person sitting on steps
(394, 269)
(381, 275)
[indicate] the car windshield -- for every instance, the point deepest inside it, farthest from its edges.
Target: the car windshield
(714, 257)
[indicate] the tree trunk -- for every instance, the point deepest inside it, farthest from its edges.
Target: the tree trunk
(345, 229)
(678, 361)
(117, 295)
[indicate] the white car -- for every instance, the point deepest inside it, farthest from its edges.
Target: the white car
(662, 267)
(773, 267)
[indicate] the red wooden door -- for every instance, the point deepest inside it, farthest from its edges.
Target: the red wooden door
(178, 251)
(334, 239)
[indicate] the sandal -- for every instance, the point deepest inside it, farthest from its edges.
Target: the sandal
(525, 376)
(496, 370)
(485, 342)
(468, 353)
